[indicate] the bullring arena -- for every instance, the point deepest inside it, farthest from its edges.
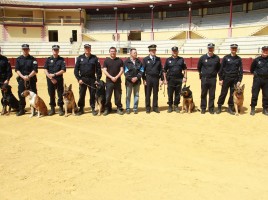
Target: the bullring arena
(136, 157)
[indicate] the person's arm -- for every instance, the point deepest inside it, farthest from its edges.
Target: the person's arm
(253, 66)
(9, 72)
(165, 71)
(35, 69)
(77, 69)
(17, 69)
(140, 71)
(199, 67)
(240, 72)
(46, 69)
(62, 69)
(184, 68)
(126, 71)
(120, 73)
(98, 70)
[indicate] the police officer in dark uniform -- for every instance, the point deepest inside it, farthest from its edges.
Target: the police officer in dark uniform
(230, 74)
(208, 68)
(259, 68)
(54, 69)
(175, 73)
(26, 68)
(87, 70)
(153, 71)
(5, 70)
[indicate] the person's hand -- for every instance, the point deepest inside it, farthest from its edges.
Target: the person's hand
(114, 79)
(54, 81)
(134, 79)
(184, 80)
(161, 83)
(6, 82)
(165, 82)
(221, 82)
(80, 82)
(50, 76)
(25, 78)
(144, 82)
(238, 84)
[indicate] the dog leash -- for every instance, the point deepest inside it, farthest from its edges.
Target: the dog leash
(89, 86)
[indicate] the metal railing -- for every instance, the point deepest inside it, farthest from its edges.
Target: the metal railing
(31, 21)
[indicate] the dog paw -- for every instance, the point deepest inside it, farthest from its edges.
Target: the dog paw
(237, 114)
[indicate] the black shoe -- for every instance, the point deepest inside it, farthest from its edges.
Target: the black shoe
(203, 111)
(148, 111)
(106, 112)
(170, 109)
(230, 110)
(252, 112)
(219, 110)
(80, 111)
(176, 109)
(21, 112)
(211, 111)
(94, 112)
(120, 111)
(135, 111)
(52, 111)
(61, 113)
(265, 111)
(128, 111)
(156, 110)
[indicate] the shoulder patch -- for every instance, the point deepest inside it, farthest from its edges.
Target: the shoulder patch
(35, 62)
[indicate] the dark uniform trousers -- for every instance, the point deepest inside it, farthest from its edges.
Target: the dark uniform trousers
(260, 83)
(31, 85)
(228, 82)
(152, 83)
(82, 92)
(174, 86)
(208, 84)
(117, 89)
(52, 91)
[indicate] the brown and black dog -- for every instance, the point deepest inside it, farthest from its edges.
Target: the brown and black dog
(35, 102)
(188, 102)
(238, 97)
(69, 101)
(8, 100)
(100, 96)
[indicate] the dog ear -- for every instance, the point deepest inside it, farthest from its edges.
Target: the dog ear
(70, 87)
(188, 87)
(243, 87)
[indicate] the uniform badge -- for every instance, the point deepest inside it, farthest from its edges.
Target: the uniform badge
(206, 60)
(35, 62)
(148, 61)
(228, 60)
(259, 62)
(51, 61)
(82, 59)
(170, 61)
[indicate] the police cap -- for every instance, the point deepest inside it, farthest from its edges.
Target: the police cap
(55, 47)
(211, 45)
(233, 45)
(25, 46)
(87, 46)
(152, 47)
(175, 48)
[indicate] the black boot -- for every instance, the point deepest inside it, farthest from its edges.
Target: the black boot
(94, 112)
(211, 111)
(203, 111)
(52, 111)
(61, 113)
(265, 111)
(170, 109)
(20, 112)
(176, 109)
(80, 111)
(219, 109)
(230, 110)
(252, 112)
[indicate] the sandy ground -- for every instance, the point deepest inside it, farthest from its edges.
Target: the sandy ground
(134, 157)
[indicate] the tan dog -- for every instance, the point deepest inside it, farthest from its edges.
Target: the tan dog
(36, 103)
(238, 96)
(69, 101)
(188, 102)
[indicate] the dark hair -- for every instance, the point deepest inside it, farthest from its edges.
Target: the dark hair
(112, 48)
(133, 49)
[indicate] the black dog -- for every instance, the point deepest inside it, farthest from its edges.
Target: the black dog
(100, 96)
(8, 100)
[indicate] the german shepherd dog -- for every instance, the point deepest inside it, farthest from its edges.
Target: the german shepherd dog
(188, 102)
(238, 97)
(8, 100)
(100, 96)
(69, 101)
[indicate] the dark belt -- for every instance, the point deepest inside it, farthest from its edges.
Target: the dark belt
(88, 76)
(208, 76)
(231, 75)
(153, 76)
(262, 76)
